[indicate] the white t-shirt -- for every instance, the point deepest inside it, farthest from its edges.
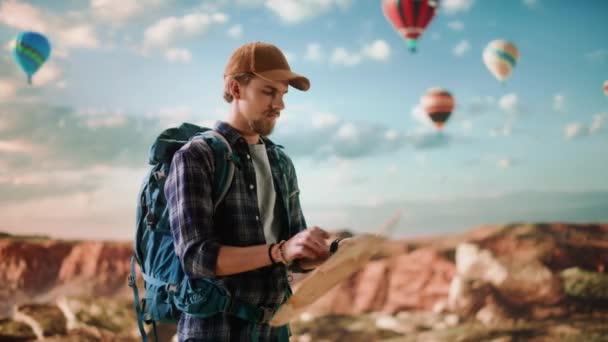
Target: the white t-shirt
(267, 203)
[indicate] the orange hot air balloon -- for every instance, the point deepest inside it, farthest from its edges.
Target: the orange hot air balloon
(438, 104)
(606, 88)
(410, 17)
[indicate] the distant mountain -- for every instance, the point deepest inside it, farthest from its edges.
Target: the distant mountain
(453, 215)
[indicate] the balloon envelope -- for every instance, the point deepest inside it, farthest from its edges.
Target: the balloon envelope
(410, 17)
(438, 104)
(31, 50)
(606, 88)
(500, 57)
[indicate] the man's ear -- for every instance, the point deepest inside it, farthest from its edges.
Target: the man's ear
(235, 89)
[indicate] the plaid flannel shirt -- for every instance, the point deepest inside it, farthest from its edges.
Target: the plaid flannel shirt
(198, 233)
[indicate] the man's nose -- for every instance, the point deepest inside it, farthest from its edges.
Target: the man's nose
(278, 103)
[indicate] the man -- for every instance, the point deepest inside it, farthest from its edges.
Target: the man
(258, 231)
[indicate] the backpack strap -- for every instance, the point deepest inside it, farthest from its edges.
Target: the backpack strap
(224, 163)
(138, 311)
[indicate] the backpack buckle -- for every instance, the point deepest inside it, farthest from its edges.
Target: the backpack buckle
(131, 280)
(159, 175)
(266, 314)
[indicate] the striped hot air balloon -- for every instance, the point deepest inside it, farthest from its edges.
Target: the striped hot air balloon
(606, 88)
(31, 50)
(410, 17)
(438, 104)
(500, 57)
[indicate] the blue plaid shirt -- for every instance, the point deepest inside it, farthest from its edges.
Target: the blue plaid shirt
(198, 233)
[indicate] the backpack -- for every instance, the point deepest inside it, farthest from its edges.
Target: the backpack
(168, 290)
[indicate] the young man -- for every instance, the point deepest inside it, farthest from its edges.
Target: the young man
(248, 243)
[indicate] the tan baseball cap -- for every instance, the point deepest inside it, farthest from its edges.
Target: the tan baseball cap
(266, 61)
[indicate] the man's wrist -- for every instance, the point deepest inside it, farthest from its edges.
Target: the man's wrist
(282, 253)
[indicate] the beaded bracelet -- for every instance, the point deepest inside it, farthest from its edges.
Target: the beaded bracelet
(272, 261)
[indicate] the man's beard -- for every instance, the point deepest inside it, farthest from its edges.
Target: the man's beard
(262, 126)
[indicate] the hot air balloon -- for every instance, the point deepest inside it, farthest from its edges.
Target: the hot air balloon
(31, 50)
(410, 17)
(438, 104)
(606, 88)
(500, 57)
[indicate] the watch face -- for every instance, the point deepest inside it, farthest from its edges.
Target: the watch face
(334, 246)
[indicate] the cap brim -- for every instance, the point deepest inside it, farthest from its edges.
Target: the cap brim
(295, 80)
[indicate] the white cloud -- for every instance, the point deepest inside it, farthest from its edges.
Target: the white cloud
(597, 55)
(22, 16)
(66, 31)
(341, 56)
(291, 57)
(108, 120)
(16, 146)
(313, 52)
(165, 30)
(530, 3)
(115, 10)
(8, 90)
(48, 73)
(236, 31)
(378, 50)
(392, 170)
(573, 130)
(174, 116)
(461, 48)
(509, 103)
(504, 163)
(324, 120)
(455, 6)
(348, 131)
(558, 102)
(501, 131)
(10, 45)
(295, 11)
(178, 55)
(467, 126)
(391, 135)
(599, 122)
(456, 25)
(80, 36)
(419, 115)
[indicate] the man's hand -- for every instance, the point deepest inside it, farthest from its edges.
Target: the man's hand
(308, 244)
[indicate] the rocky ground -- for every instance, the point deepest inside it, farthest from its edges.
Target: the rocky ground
(111, 320)
(521, 282)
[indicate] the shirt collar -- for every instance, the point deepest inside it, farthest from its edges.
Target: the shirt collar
(232, 135)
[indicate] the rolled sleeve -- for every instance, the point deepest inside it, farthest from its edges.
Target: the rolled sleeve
(188, 191)
(297, 220)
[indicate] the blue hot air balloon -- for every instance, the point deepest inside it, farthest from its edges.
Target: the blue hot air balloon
(32, 49)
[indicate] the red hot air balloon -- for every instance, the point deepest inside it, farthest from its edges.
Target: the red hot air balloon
(606, 88)
(438, 104)
(410, 17)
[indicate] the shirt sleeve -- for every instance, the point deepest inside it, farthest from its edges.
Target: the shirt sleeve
(297, 220)
(188, 191)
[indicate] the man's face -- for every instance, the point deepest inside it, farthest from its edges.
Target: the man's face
(261, 104)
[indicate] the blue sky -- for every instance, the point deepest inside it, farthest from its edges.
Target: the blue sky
(73, 146)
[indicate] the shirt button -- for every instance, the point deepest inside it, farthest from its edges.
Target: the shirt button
(257, 218)
(251, 186)
(248, 157)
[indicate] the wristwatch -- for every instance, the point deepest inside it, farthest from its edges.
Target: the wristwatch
(333, 247)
